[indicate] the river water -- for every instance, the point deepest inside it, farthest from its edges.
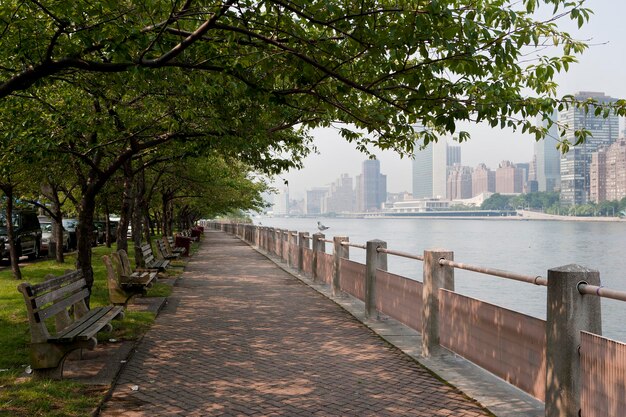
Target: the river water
(528, 247)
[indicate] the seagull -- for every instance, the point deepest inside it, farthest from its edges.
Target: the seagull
(321, 227)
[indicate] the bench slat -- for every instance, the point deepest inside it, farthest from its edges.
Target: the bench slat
(56, 282)
(88, 326)
(58, 294)
(44, 313)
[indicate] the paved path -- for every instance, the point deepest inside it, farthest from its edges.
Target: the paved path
(241, 337)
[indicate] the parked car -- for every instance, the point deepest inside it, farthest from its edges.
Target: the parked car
(46, 235)
(26, 234)
(101, 226)
(70, 226)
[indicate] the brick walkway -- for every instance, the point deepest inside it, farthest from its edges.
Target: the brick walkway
(240, 337)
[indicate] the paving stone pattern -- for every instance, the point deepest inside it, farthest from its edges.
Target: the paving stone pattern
(241, 337)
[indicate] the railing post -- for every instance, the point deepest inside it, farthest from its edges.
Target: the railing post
(292, 241)
(436, 276)
(317, 248)
(302, 236)
(338, 253)
(568, 313)
(373, 261)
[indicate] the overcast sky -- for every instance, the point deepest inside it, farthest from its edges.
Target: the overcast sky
(601, 68)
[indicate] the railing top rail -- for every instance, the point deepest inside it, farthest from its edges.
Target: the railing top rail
(321, 239)
(537, 280)
(400, 253)
(353, 245)
(600, 291)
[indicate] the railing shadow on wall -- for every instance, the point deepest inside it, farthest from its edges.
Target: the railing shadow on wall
(563, 360)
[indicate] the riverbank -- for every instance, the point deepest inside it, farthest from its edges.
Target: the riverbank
(533, 215)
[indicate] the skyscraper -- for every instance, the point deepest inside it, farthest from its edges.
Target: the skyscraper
(340, 197)
(459, 182)
(548, 158)
(372, 186)
(608, 173)
(483, 180)
(281, 202)
(509, 178)
(314, 197)
(575, 164)
(430, 168)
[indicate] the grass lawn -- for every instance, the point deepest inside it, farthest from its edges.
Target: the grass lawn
(22, 396)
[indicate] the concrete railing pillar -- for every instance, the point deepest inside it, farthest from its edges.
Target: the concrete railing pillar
(318, 246)
(373, 260)
(292, 248)
(568, 313)
(302, 242)
(435, 277)
(338, 253)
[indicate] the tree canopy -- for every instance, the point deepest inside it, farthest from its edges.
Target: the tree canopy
(381, 66)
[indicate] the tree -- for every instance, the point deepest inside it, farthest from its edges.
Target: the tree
(382, 66)
(497, 202)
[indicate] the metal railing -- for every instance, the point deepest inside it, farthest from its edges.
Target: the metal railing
(400, 253)
(353, 245)
(601, 291)
(537, 280)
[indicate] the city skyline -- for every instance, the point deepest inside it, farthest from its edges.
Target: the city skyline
(605, 33)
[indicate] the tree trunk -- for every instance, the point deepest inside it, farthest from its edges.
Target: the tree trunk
(125, 211)
(137, 216)
(51, 192)
(107, 225)
(15, 267)
(84, 233)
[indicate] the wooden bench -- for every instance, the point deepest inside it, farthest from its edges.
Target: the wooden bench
(151, 261)
(165, 252)
(75, 325)
(187, 233)
(129, 270)
(170, 243)
(123, 283)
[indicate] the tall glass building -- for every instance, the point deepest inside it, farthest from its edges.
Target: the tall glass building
(548, 158)
(430, 168)
(575, 164)
(371, 186)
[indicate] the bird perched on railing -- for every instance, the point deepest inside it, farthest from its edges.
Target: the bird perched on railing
(321, 227)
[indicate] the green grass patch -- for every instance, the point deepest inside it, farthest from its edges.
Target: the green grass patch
(26, 397)
(23, 396)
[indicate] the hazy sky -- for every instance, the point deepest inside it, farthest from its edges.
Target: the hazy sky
(601, 68)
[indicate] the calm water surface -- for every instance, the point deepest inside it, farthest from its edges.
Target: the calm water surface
(527, 247)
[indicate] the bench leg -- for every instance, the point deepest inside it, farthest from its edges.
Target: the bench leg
(47, 359)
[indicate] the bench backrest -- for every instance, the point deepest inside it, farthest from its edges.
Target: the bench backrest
(54, 298)
(148, 256)
(125, 262)
(161, 249)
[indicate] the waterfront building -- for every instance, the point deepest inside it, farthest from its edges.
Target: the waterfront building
(281, 202)
(430, 169)
(607, 173)
(371, 190)
(340, 197)
(575, 164)
(509, 178)
(313, 201)
(417, 206)
(459, 183)
(548, 158)
(483, 180)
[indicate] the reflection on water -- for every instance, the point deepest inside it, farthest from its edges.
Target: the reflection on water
(527, 247)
